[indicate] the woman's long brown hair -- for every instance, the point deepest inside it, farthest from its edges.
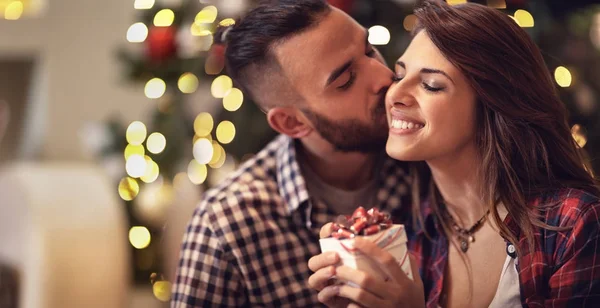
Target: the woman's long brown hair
(523, 137)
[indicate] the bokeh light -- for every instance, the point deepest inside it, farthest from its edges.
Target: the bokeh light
(13, 10)
(200, 29)
(197, 172)
(221, 86)
(207, 15)
(155, 88)
(139, 237)
(233, 100)
(218, 152)
(409, 22)
(227, 22)
(136, 133)
(143, 4)
(164, 18)
(524, 18)
(156, 143)
(131, 149)
(128, 188)
(203, 124)
(497, 4)
(187, 83)
(225, 132)
(579, 135)
(137, 33)
(455, 2)
(563, 77)
(152, 171)
(379, 35)
(162, 290)
(203, 151)
(136, 166)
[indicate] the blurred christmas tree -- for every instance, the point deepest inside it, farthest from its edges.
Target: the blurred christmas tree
(172, 55)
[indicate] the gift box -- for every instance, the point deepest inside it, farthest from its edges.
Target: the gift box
(391, 238)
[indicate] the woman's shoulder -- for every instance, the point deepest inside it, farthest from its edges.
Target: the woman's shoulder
(569, 207)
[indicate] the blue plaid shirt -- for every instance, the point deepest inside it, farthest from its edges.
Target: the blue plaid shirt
(249, 240)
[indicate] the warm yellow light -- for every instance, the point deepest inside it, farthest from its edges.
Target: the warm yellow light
(207, 15)
(13, 10)
(205, 42)
(137, 33)
(515, 20)
(225, 132)
(164, 18)
(188, 83)
(139, 237)
(155, 88)
(497, 4)
(203, 124)
(563, 77)
(227, 22)
(409, 22)
(218, 151)
(134, 149)
(156, 143)
(136, 133)
(162, 290)
(143, 4)
(200, 29)
(128, 188)
(196, 137)
(220, 161)
(233, 100)
(135, 166)
(197, 172)
(221, 86)
(524, 18)
(578, 135)
(152, 171)
(455, 2)
(379, 35)
(203, 151)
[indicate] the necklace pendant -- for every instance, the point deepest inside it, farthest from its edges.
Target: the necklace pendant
(464, 245)
(471, 239)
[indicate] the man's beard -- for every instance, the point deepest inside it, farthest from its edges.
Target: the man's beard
(352, 135)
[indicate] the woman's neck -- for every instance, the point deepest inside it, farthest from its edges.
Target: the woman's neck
(456, 178)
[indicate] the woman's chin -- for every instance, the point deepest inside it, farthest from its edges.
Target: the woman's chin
(402, 152)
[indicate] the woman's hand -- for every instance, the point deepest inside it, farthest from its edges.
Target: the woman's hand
(399, 291)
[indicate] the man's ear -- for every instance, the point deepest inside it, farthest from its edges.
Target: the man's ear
(288, 121)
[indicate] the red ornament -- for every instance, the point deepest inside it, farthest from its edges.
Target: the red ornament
(344, 5)
(160, 44)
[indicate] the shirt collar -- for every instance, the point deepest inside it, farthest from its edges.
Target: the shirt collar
(392, 194)
(290, 181)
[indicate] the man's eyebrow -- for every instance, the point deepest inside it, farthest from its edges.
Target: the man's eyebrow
(338, 72)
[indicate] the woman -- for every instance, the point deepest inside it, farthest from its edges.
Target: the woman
(510, 213)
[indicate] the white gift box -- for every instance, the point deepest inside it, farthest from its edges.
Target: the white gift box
(392, 240)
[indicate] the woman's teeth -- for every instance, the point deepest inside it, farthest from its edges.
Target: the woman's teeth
(400, 124)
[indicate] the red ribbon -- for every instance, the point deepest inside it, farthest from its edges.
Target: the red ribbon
(361, 222)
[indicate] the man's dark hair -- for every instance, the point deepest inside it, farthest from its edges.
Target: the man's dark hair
(248, 57)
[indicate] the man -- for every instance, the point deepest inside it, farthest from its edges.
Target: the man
(310, 67)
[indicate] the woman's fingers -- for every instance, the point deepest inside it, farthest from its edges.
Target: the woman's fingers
(321, 278)
(326, 230)
(322, 260)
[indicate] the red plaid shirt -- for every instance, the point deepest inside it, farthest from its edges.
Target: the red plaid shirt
(562, 270)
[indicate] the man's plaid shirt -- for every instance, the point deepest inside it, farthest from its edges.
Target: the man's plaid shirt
(250, 239)
(562, 270)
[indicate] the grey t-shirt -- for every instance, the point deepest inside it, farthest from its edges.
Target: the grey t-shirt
(340, 201)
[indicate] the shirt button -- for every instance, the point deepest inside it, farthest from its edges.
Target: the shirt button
(511, 250)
